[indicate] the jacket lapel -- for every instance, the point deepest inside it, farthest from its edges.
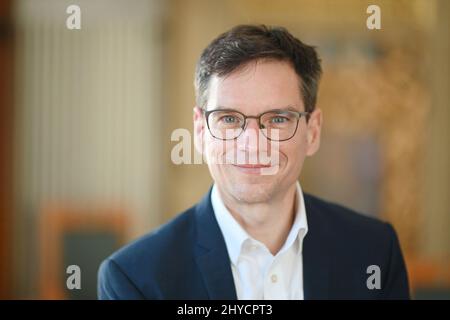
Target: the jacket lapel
(212, 255)
(317, 254)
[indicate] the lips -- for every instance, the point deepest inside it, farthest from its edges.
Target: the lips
(253, 169)
(252, 166)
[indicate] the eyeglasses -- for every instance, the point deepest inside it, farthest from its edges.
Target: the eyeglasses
(276, 125)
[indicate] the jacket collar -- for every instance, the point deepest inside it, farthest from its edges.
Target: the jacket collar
(317, 253)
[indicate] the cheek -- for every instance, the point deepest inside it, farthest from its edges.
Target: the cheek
(215, 149)
(294, 150)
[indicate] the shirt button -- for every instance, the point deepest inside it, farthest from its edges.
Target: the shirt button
(274, 278)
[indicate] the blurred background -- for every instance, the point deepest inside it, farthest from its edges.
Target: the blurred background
(86, 118)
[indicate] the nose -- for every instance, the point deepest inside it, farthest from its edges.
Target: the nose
(249, 139)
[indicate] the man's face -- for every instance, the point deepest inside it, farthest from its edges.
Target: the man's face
(257, 87)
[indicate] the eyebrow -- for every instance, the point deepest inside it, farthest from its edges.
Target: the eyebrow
(286, 108)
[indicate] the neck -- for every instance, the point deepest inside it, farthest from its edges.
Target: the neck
(268, 222)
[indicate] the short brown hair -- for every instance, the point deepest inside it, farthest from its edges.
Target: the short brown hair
(245, 43)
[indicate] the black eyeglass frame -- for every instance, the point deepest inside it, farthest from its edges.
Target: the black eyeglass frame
(258, 118)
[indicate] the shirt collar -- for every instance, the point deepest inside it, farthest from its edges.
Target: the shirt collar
(235, 235)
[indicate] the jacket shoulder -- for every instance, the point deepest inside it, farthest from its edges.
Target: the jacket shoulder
(172, 233)
(350, 232)
(345, 220)
(162, 247)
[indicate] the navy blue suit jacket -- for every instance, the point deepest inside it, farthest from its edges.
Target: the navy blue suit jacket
(187, 258)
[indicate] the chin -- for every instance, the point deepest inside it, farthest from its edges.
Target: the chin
(247, 187)
(252, 192)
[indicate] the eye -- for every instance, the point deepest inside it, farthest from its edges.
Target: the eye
(278, 119)
(228, 119)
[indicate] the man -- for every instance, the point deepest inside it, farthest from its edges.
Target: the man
(256, 235)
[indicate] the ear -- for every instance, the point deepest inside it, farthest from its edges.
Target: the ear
(313, 132)
(199, 129)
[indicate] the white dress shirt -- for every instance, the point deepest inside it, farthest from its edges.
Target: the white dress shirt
(258, 274)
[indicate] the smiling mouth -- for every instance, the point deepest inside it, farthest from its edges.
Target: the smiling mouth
(252, 166)
(253, 169)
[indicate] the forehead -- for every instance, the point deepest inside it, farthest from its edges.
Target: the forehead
(257, 87)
